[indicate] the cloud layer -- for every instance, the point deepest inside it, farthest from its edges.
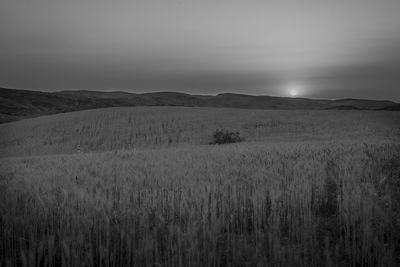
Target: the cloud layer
(331, 49)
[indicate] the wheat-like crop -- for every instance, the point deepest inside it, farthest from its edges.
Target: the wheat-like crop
(138, 127)
(143, 187)
(301, 203)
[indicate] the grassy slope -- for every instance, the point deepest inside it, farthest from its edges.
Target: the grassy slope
(135, 127)
(305, 189)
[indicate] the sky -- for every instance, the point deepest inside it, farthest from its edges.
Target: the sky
(319, 48)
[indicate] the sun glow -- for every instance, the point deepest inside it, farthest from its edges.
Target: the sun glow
(293, 92)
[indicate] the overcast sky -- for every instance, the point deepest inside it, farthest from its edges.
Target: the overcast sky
(324, 49)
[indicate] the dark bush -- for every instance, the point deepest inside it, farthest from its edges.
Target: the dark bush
(225, 137)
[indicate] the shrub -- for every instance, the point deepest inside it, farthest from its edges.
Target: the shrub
(225, 137)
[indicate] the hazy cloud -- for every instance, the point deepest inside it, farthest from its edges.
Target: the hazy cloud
(332, 49)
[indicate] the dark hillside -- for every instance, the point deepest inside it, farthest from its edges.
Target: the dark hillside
(19, 104)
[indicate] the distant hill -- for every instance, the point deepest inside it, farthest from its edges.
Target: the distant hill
(18, 104)
(391, 108)
(344, 107)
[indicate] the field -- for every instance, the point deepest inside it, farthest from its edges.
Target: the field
(143, 187)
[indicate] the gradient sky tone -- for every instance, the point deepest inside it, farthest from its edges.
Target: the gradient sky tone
(326, 49)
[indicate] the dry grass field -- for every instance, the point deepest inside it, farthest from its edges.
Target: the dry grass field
(143, 187)
(154, 127)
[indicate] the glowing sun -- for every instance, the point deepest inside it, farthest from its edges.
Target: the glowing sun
(293, 92)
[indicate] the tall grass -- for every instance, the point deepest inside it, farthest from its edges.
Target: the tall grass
(295, 203)
(137, 127)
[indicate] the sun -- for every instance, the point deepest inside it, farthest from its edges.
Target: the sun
(293, 92)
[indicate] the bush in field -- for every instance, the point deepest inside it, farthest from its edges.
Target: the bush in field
(226, 137)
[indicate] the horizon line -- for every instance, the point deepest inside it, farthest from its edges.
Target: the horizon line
(191, 94)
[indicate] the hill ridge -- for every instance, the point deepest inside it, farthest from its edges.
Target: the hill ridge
(18, 104)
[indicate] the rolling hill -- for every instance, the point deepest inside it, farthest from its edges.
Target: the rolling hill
(19, 104)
